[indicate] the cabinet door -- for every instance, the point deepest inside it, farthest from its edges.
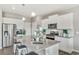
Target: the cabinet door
(53, 19)
(66, 45)
(65, 21)
(61, 44)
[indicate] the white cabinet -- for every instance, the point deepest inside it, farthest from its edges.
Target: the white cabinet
(52, 50)
(66, 44)
(0, 29)
(65, 21)
(53, 19)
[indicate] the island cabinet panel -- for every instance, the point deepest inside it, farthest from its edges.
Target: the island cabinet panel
(41, 52)
(52, 50)
(66, 44)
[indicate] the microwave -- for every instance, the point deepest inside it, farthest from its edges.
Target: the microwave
(52, 26)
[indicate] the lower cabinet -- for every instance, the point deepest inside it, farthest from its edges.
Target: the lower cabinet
(66, 44)
(52, 50)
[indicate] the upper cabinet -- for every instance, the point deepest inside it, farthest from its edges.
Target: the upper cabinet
(65, 21)
(52, 19)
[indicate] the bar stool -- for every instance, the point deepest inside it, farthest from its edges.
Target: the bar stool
(22, 50)
(16, 44)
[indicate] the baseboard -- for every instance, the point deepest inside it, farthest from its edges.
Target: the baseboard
(73, 50)
(76, 50)
(66, 50)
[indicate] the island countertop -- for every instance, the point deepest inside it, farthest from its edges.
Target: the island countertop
(38, 47)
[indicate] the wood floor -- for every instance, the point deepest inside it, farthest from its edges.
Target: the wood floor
(65, 53)
(9, 51)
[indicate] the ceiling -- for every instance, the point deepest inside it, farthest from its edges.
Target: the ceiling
(39, 9)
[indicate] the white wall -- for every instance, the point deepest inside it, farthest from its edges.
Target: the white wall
(76, 29)
(34, 26)
(0, 29)
(45, 23)
(35, 23)
(28, 28)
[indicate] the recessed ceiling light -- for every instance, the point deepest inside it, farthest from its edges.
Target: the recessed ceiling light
(33, 14)
(23, 19)
(13, 8)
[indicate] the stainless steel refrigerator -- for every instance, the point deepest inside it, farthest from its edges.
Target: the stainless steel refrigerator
(8, 33)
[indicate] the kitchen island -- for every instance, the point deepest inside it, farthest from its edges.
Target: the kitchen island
(50, 47)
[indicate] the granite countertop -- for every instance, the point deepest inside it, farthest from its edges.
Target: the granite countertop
(64, 37)
(37, 47)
